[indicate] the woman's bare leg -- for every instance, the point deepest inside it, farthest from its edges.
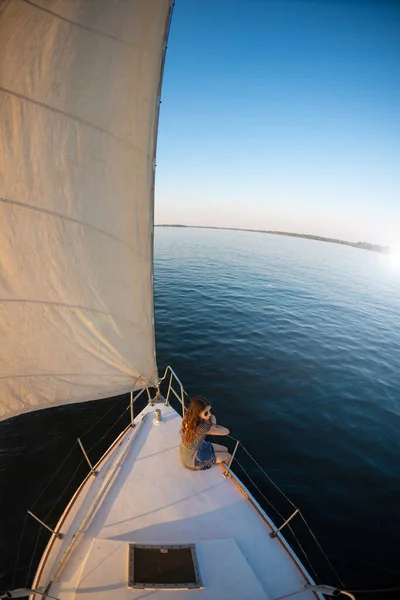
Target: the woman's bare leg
(224, 457)
(219, 448)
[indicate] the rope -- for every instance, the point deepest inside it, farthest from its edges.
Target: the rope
(53, 477)
(114, 406)
(361, 591)
(322, 551)
(73, 447)
(32, 556)
(282, 517)
(269, 478)
(295, 507)
(259, 491)
(304, 553)
(64, 490)
(62, 493)
(18, 551)
(108, 430)
(80, 463)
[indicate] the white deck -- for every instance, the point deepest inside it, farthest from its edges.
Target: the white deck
(142, 494)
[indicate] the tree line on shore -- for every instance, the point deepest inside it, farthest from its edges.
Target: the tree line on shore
(362, 245)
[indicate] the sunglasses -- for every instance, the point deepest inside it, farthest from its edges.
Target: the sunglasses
(207, 412)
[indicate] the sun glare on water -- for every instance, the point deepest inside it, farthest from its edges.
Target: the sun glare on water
(394, 258)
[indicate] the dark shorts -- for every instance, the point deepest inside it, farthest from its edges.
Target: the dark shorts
(205, 457)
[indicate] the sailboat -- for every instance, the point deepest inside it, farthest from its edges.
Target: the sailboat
(80, 84)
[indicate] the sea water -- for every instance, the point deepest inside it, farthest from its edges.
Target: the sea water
(296, 343)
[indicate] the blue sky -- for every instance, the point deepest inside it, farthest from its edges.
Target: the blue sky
(283, 115)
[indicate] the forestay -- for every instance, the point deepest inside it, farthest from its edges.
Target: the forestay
(79, 93)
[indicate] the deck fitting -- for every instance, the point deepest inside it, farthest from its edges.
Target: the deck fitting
(157, 417)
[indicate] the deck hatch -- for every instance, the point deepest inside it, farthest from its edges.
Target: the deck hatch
(167, 566)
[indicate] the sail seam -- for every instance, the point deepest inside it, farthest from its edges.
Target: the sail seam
(90, 29)
(75, 118)
(64, 305)
(47, 211)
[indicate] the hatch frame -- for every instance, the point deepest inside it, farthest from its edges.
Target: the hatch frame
(183, 585)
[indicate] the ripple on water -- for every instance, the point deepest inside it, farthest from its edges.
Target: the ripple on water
(301, 341)
(297, 345)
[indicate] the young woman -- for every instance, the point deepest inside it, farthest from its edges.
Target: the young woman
(195, 453)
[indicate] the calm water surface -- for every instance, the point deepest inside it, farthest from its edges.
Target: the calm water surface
(297, 345)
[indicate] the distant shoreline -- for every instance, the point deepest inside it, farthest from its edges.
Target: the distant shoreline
(318, 238)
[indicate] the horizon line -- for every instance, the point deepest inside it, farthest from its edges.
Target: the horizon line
(361, 244)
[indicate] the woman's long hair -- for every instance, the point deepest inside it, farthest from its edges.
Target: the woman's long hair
(192, 418)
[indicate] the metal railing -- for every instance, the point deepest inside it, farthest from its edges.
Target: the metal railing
(255, 472)
(167, 381)
(42, 518)
(171, 387)
(173, 378)
(85, 451)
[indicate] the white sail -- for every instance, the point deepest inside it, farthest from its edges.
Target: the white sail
(79, 88)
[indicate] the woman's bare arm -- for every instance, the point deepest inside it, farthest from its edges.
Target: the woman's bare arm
(218, 430)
